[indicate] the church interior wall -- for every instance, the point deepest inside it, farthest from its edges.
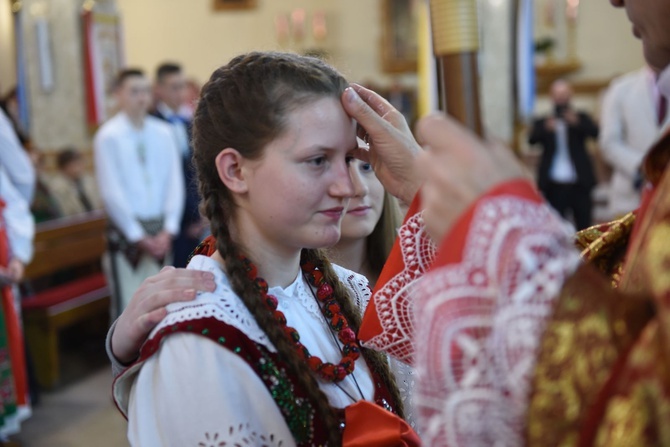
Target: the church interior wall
(202, 39)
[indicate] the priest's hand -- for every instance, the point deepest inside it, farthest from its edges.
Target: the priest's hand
(460, 167)
(147, 307)
(392, 149)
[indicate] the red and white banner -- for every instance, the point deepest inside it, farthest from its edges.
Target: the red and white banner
(103, 58)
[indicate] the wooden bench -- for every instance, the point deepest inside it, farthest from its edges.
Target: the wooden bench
(66, 243)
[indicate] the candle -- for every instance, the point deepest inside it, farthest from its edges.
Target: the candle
(282, 27)
(319, 30)
(298, 24)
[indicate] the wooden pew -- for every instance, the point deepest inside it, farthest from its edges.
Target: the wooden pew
(60, 244)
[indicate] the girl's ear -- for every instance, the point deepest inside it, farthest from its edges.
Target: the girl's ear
(229, 166)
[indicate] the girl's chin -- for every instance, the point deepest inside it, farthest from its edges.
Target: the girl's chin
(326, 241)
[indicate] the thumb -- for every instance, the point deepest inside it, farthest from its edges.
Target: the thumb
(370, 110)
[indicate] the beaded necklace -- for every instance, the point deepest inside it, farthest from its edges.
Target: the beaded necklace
(329, 372)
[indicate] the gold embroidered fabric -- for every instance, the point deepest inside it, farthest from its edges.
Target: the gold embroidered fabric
(605, 245)
(603, 371)
(638, 410)
(592, 325)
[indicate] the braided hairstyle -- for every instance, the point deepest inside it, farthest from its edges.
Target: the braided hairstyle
(246, 105)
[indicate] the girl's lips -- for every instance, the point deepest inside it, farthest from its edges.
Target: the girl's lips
(334, 213)
(359, 211)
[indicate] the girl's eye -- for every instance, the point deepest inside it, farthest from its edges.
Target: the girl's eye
(318, 161)
(366, 167)
(349, 159)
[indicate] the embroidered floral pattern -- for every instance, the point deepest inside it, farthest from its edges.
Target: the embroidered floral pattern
(239, 436)
(481, 322)
(393, 302)
(298, 412)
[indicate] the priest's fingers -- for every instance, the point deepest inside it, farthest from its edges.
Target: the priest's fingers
(459, 169)
(392, 147)
(444, 196)
(480, 164)
(380, 106)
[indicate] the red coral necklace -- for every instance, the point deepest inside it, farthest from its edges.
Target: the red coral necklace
(330, 372)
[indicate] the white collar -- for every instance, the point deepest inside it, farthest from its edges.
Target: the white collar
(164, 110)
(224, 305)
(125, 119)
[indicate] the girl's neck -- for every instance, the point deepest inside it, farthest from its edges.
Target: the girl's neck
(351, 254)
(275, 268)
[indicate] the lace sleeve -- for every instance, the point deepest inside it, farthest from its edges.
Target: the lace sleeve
(480, 317)
(405, 378)
(393, 301)
(194, 392)
(358, 286)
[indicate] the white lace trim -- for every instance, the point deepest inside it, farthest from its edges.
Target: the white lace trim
(405, 378)
(394, 300)
(358, 286)
(242, 435)
(224, 305)
(481, 322)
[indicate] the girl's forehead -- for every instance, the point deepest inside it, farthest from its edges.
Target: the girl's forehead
(325, 116)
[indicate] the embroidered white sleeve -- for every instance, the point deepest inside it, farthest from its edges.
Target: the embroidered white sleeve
(222, 304)
(479, 323)
(394, 301)
(193, 392)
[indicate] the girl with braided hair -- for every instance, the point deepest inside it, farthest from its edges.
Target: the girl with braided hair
(270, 357)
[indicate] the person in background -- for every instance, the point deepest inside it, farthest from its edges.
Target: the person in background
(15, 160)
(72, 188)
(170, 87)
(633, 114)
(44, 205)
(187, 109)
(141, 183)
(565, 174)
(10, 106)
(17, 229)
(369, 226)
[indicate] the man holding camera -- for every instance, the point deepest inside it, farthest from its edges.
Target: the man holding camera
(565, 175)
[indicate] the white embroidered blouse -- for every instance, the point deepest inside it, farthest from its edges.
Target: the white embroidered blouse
(195, 392)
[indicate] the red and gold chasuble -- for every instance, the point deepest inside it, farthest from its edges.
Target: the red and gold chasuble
(515, 343)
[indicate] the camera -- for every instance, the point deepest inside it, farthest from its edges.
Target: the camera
(560, 109)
